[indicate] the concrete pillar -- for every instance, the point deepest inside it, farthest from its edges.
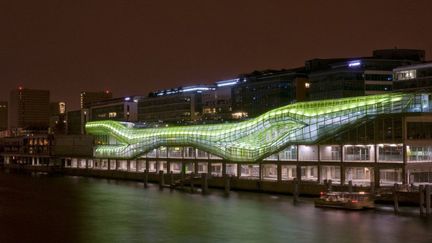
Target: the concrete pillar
(350, 186)
(396, 198)
(204, 183)
(109, 164)
(171, 182)
(223, 168)
(428, 199)
(192, 186)
(260, 171)
(404, 159)
(145, 178)
(147, 166)
(238, 170)
(227, 185)
(298, 173)
(377, 176)
(296, 190)
(161, 179)
(168, 167)
(209, 168)
(422, 199)
(342, 175)
(279, 172)
(196, 167)
(128, 165)
(86, 164)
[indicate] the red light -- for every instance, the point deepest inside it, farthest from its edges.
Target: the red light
(20, 87)
(354, 201)
(107, 91)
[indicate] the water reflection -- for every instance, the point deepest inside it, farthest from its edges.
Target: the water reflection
(98, 210)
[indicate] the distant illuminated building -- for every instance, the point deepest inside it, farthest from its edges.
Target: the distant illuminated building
(413, 77)
(178, 105)
(58, 117)
(29, 109)
(117, 109)
(3, 115)
(89, 97)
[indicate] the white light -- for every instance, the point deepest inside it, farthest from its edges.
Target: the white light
(354, 63)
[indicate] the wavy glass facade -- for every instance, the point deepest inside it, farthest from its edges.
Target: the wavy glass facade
(301, 123)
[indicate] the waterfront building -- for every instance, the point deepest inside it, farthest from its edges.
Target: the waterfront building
(350, 77)
(261, 91)
(413, 77)
(89, 97)
(3, 115)
(29, 109)
(378, 139)
(117, 109)
(173, 106)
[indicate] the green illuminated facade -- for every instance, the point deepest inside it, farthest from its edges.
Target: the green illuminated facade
(256, 139)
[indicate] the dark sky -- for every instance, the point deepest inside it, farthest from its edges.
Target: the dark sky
(136, 46)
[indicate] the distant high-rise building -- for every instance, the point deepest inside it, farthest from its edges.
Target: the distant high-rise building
(89, 97)
(29, 109)
(76, 121)
(58, 117)
(3, 115)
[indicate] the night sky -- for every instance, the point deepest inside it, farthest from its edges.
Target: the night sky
(136, 46)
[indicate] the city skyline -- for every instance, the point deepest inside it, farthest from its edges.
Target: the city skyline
(114, 49)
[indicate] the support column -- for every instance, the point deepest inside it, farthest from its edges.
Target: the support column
(195, 167)
(168, 167)
(209, 168)
(298, 172)
(279, 172)
(223, 168)
(128, 166)
(147, 165)
(342, 175)
(204, 183)
(238, 170)
(404, 159)
(319, 165)
(109, 164)
(377, 176)
(260, 171)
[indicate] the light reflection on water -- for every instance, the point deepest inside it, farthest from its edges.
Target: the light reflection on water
(97, 210)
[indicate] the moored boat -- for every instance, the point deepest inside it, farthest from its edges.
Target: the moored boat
(345, 200)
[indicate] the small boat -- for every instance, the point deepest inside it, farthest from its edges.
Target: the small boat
(345, 200)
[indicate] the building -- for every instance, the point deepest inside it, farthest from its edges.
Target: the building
(261, 91)
(89, 97)
(173, 106)
(76, 120)
(369, 140)
(3, 115)
(29, 109)
(117, 109)
(413, 77)
(58, 117)
(350, 77)
(217, 102)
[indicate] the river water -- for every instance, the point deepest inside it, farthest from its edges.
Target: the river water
(76, 209)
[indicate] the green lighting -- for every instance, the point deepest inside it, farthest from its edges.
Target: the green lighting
(252, 140)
